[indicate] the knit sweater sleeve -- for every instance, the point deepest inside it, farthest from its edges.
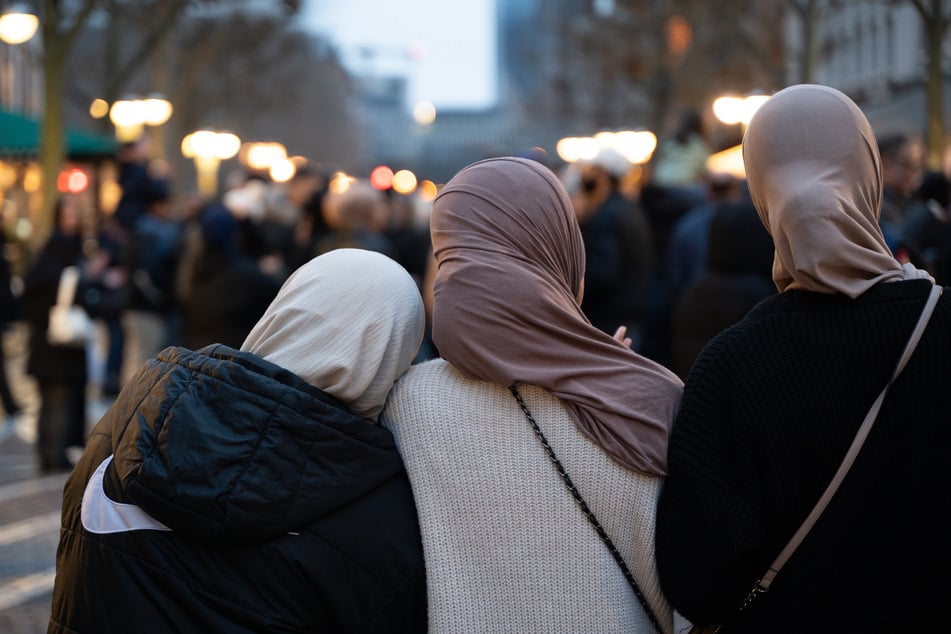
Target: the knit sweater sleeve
(710, 527)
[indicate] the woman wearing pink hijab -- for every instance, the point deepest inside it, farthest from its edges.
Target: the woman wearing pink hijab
(772, 405)
(507, 546)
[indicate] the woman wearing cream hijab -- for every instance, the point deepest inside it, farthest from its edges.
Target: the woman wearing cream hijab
(507, 548)
(773, 403)
(252, 490)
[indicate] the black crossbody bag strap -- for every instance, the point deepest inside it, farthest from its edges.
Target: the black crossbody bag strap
(587, 511)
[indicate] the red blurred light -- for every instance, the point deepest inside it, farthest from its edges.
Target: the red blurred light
(381, 177)
(73, 181)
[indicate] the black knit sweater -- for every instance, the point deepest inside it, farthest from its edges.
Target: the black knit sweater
(768, 412)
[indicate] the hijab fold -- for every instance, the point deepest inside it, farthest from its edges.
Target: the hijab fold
(815, 176)
(510, 265)
(348, 322)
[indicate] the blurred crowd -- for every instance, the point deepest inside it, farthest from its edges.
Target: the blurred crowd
(674, 253)
(166, 270)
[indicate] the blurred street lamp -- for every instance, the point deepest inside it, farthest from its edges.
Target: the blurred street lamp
(282, 171)
(728, 161)
(18, 23)
(404, 182)
(262, 155)
(573, 148)
(340, 182)
(130, 116)
(732, 110)
(636, 146)
(427, 191)
(208, 148)
(381, 177)
(99, 108)
(156, 110)
(424, 113)
(285, 170)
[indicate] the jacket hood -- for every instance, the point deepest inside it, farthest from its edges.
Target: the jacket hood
(225, 447)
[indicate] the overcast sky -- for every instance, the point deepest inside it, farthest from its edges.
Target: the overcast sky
(445, 48)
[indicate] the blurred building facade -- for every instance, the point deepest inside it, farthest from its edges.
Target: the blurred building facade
(21, 77)
(876, 53)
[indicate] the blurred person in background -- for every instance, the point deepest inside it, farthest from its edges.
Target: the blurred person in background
(267, 222)
(617, 242)
(9, 312)
(253, 490)
(407, 230)
(222, 292)
(150, 318)
(356, 218)
(141, 180)
(673, 187)
(689, 247)
(680, 162)
(60, 371)
(407, 233)
(925, 228)
(106, 295)
(736, 277)
(901, 174)
(307, 190)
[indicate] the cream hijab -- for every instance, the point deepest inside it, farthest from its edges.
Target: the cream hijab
(815, 176)
(511, 262)
(348, 322)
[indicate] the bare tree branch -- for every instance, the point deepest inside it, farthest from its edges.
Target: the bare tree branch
(152, 39)
(69, 34)
(922, 9)
(802, 8)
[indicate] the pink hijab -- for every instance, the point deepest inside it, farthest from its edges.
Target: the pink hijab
(511, 263)
(815, 176)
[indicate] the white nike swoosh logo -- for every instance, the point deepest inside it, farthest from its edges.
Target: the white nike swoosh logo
(101, 515)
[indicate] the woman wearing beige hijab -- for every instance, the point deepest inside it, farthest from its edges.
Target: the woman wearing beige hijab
(772, 405)
(252, 490)
(507, 546)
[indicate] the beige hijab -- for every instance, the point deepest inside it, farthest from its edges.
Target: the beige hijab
(348, 322)
(815, 176)
(511, 262)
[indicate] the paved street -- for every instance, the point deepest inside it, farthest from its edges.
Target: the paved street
(29, 506)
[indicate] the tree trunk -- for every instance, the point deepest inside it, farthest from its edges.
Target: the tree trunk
(52, 129)
(935, 28)
(161, 60)
(810, 41)
(110, 64)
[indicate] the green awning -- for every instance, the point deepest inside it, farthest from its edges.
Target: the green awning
(20, 137)
(85, 144)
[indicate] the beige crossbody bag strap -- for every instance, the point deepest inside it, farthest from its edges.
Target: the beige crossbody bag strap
(763, 584)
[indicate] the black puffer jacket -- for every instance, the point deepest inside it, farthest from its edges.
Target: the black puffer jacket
(286, 512)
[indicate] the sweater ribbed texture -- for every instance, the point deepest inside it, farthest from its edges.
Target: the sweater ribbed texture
(507, 549)
(769, 410)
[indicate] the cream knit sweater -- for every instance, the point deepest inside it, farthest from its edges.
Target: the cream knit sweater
(507, 548)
